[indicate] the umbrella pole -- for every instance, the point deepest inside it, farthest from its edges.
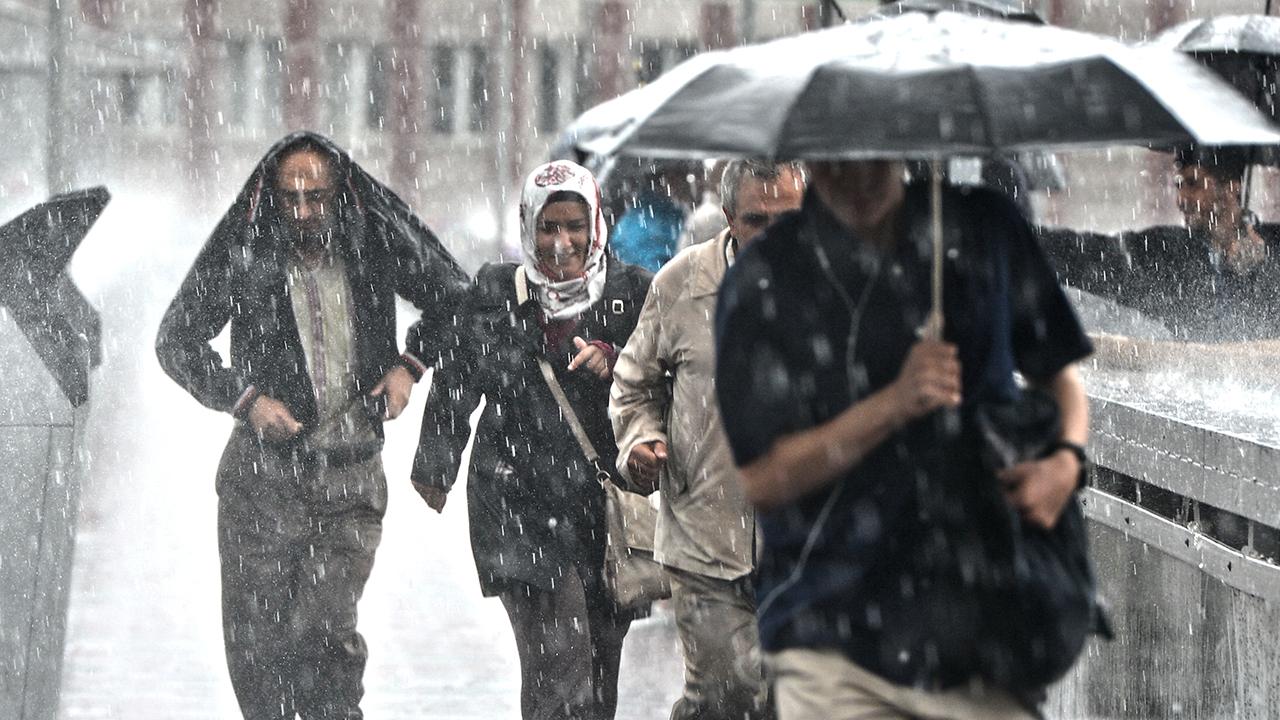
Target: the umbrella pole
(933, 326)
(1247, 185)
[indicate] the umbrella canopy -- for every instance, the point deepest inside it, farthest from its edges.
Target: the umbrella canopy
(1249, 34)
(1012, 174)
(929, 85)
(1244, 50)
(924, 85)
(58, 322)
(592, 137)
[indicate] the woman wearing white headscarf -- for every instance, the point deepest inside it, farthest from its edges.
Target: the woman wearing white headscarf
(535, 505)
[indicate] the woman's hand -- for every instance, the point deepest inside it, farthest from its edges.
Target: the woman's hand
(591, 357)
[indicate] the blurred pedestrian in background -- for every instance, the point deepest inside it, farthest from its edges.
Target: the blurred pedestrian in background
(648, 233)
(1215, 278)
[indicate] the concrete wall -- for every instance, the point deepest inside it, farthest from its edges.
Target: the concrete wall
(41, 489)
(1192, 599)
(1188, 644)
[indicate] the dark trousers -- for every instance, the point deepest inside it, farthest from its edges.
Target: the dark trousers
(570, 643)
(296, 543)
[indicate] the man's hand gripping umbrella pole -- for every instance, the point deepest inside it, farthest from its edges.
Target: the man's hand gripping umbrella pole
(1037, 488)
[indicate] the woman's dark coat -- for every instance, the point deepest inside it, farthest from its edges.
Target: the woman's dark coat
(535, 505)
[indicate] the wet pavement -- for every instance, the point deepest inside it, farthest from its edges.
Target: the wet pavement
(144, 639)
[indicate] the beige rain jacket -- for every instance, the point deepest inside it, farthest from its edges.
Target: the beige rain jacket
(705, 525)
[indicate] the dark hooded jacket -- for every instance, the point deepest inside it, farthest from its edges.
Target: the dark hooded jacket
(536, 507)
(240, 277)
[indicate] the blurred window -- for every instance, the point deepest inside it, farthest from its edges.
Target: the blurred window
(130, 102)
(480, 108)
(98, 13)
(337, 91)
(444, 68)
(652, 61)
(238, 69)
(272, 89)
(165, 89)
(549, 89)
(379, 69)
(584, 87)
(660, 55)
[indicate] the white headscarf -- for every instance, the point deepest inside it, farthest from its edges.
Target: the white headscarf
(565, 298)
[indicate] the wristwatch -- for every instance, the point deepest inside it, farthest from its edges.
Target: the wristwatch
(1079, 452)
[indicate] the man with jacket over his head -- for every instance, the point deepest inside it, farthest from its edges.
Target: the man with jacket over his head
(305, 267)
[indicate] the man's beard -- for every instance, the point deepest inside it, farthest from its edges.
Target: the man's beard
(310, 240)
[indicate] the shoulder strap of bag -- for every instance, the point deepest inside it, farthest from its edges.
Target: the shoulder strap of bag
(548, 374)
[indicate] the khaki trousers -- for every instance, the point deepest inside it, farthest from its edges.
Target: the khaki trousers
(826, 685)
(716, 622)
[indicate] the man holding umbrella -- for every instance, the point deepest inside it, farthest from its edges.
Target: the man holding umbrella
(1213, 279)
(853, 439)
(923, 555)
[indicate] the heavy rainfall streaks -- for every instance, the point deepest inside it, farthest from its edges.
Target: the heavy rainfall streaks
(639, 358)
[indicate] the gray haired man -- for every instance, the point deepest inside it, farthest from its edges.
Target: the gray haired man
(667, 424)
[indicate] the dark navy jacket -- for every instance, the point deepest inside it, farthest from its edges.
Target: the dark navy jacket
(783, 336)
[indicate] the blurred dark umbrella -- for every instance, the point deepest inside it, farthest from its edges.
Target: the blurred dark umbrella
(1244, 50)
(609, 118)
(1249, 34)
(923, 85)
(35, 248)
(932, 85)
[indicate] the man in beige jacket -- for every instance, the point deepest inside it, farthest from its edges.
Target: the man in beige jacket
(669, 436)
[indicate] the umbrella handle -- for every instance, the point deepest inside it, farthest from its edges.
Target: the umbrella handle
(932, 329)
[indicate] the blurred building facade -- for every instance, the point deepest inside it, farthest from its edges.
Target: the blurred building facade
(450, 101)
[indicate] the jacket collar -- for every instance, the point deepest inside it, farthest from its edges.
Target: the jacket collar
(709, 266)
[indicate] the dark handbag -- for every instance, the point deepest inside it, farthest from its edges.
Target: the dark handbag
(1040, 603)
